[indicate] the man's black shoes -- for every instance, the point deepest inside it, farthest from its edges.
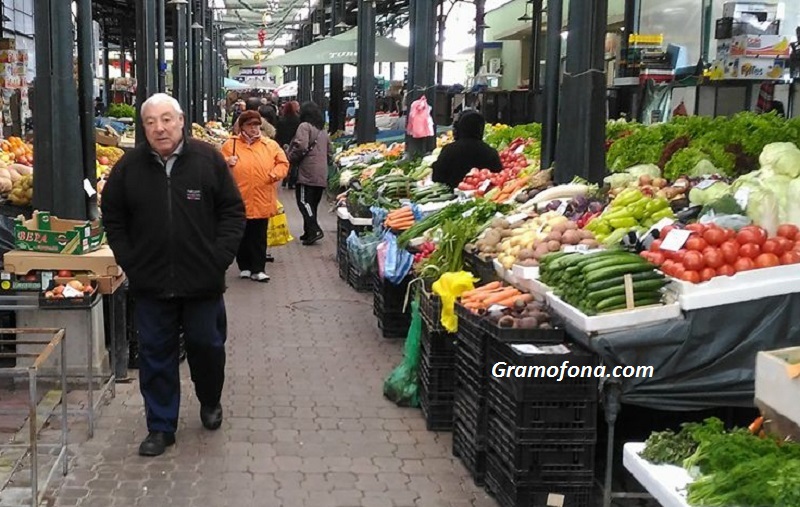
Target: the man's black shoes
(211, 417)
(310, 240)
(156, 443)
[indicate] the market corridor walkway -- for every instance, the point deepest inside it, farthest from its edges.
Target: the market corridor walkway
(306, 423)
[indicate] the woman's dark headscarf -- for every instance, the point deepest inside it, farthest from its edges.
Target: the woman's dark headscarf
(470, 125)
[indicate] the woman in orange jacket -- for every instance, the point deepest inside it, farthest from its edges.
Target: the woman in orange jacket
(257, 163)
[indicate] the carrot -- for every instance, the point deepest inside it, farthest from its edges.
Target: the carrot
(499, 296)
(756, 425)
(477, 290)
(508, 302)
(397, 224)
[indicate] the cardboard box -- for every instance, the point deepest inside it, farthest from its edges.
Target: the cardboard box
(101, 262)
(104, 284)
(748, 68)
(107, 137)
(11, 283)
(44, 233)
(776, 46)
(777, 385)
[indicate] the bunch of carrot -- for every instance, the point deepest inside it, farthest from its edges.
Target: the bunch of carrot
(399, 219)
(509, 189)
(493, 293)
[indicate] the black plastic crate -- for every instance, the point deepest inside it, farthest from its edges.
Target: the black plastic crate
(394, 325)
(497, 334)
(545, 461)
(473, 458)
(509, 494)
(552, 420)
(470, 330)
(543, 476)
(430, 307)
(440, 343)
(437, 380)
(361, 282)
(484, 270)
(438, 415)
(473, 423)
(343, 228)
(392, 297)
(540, 385)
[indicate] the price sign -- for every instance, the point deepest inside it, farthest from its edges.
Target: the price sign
(468, 213)
(516, 218)
(484, 185)
(562, 208)
(87, 187)
(496, 308)
(705, 184)
(519, 150)
(675, 240)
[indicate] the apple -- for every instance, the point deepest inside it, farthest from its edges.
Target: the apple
(103, 160)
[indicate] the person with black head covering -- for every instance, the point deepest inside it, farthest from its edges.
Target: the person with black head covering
(467, 151)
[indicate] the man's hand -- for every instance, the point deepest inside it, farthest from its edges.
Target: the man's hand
(232, 161)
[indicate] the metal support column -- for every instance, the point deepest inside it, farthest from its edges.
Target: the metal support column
(86, 72)
(552, 81)
(441, 20)
(106, 67)
(122, 48)
(207, 65)
(422, 66)
(179, 77)
(146, 82)
(318, 81)
(304, 80)
(162, 37)
(365, 121)
(534, 70)
(582, 117)
(197, 69)
(336, 106)
(58, 165)
(480, 24)
(190, 65)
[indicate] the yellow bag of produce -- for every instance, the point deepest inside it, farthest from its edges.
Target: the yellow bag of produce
(278, 229)
(449, 287)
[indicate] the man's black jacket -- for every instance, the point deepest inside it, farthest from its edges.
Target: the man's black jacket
(174, 236)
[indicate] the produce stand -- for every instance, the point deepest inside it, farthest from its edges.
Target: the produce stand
(109, 279)
(41, 352)
(666, 483)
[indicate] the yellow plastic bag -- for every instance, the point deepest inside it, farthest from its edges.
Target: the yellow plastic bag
(449, 287)
(278, 232)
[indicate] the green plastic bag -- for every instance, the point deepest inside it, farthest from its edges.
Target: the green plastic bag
(402, 385)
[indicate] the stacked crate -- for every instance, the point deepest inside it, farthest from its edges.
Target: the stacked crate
(388, 306)
(437, 375)
(469, 410)
(343, 228)
(541, 432)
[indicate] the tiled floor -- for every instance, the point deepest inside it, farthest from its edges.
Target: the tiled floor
(306, 423)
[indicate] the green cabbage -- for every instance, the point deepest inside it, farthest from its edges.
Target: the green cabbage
(764, 209)
(701, 197)
(781, 158)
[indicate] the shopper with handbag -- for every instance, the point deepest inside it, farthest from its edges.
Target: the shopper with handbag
(310, 150)
(257, 163)
(287, 128)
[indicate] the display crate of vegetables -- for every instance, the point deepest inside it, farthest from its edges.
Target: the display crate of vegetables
(717, 266)
(589, 290)
(630, 211)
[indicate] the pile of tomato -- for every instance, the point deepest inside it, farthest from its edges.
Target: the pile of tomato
(713, 251)
(513, 160)
(476, 179)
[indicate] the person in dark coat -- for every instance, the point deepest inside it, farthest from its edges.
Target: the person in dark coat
(174, 219)
(287, 128)
(467, 151)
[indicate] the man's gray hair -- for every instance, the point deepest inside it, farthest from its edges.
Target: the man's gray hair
(162, 98)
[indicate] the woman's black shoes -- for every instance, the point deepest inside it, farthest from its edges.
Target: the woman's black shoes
(313, 239)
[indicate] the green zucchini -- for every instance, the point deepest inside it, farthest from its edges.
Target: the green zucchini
(618, 280)
(639, 303)
(621, 300)
(638, 288)
(618, 270)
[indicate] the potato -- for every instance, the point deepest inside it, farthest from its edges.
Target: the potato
(591, 243)
(560, 228)
(571, 226)
(586, 234)
(540, 251)
(525, 253)
(500, 223)
(527, 323)
(529, 263)
(5, 185)
(553, 236)
(506, 322)
(553, 246)
(571, 237)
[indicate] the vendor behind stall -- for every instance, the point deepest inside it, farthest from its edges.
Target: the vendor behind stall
(468, 151)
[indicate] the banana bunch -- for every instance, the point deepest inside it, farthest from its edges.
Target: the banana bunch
(22, 191)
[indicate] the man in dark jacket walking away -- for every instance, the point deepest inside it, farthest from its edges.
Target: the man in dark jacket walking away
(468, 151)
(174, 219)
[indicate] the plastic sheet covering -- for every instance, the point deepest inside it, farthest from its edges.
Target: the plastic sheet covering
(363, 251)
(402, 385)
(703, 361)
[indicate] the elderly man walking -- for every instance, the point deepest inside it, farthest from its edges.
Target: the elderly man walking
(174, 218)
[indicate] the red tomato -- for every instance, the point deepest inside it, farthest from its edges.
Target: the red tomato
(773, 246)
(714, 236)
(713, 257)
(767, 260)
(646, 254)
(696, 243)
(690, 276)
(743, 264)
(796, 246)
(788, 231)
(668, 266)
(786, 244)
(693, 261)
(726, 270)
(730, 251)
(678, 270)
(655, 246)
(759, 233)
(707, 274)
(790, 257)
(678, 256)
(744, 237)
(666, 230)
(749, 250)
(698, 228)
(657, 258)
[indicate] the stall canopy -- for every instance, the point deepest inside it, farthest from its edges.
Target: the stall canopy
(342, 48)
(287, 90)
(232, 84)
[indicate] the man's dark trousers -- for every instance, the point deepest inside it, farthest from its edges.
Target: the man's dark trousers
(159, 322)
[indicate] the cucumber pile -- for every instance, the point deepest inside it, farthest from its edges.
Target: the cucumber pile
(594, 283)
(394, 186)
(434, 193)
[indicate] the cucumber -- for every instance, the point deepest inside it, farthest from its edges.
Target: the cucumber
(638, 288)
(621, 300)
(612, 261)
(618, 270)
(618, 280)
(639, 302)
